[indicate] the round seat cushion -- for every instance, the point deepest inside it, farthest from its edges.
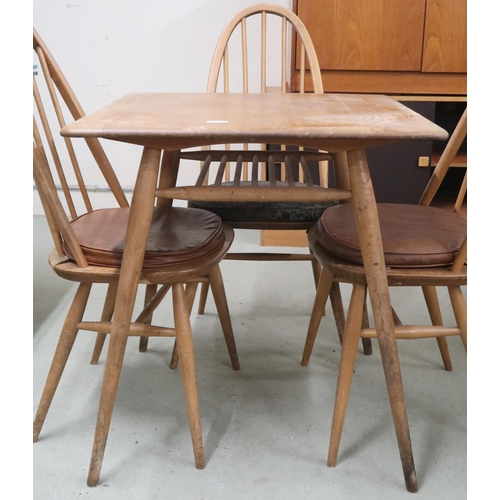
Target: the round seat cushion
(263, 211)
(412, 235)
(177, 235)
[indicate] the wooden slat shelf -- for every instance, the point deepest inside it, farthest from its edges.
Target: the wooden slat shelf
(459, 161)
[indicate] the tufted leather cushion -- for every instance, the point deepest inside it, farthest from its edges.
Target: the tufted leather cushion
(176, 236)
(412, 235)
(263, 212)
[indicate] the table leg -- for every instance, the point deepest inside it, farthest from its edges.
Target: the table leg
(367, 222)
(141, 212)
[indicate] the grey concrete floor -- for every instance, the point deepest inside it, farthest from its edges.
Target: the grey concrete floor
(265, 428)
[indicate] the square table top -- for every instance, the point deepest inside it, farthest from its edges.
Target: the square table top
(328, 121)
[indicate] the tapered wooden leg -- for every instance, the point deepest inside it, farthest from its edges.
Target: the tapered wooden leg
(338, 308)
(150, 293)
(217, 285)
(141, 212)
(64, 346)
(367, 343)
(432, 301)
(368, 228)
(107, 314)
(347, 359)
(190, 296)
(316, 267)
(460, 311)
(174, 360)
(322, 293)
(203, 297)
(186, 353)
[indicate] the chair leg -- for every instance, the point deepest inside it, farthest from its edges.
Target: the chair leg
(203, 297)
(432, 301)
(63, 349)
(185, 342)
(367, 343)
(150, 293)
(217, 285)
(316, 268)
(338, 308)
(174, 360)
(107, 314)
(347, 360)
(322, 293)
(190, 296)
(460, 311)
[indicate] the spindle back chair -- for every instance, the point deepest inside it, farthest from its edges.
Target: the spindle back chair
(291, 184)
(184, 248)
(424, 246)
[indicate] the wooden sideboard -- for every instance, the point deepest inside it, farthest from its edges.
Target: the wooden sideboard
(414, 47)
(414, 50)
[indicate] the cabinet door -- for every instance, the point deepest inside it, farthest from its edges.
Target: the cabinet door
(445, 37)
(380, 35)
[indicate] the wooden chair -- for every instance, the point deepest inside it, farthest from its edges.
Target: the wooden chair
(272, 174)
(184, 246)
(424, 246)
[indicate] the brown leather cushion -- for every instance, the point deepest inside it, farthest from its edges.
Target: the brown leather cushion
(412, 235)
(176, 236)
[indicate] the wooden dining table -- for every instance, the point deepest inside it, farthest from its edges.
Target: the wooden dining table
(342, 124)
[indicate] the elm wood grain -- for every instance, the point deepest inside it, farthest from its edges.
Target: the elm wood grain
(374, 263)
(107, 314)
(261, 194)
(330, 123)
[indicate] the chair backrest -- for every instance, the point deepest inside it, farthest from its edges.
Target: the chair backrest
(241, 64)
(57, 218)
(55, 163)
(446, 159)
(54, 103)
(455, 141)
(291, 27)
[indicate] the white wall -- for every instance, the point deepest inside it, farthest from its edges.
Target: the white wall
(109, 48)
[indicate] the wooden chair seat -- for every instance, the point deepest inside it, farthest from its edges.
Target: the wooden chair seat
(177, 235)
(412, 235)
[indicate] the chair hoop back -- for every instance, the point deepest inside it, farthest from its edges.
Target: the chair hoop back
(220, 58)
(247, 164)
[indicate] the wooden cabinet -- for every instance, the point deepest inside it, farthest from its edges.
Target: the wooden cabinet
(389, 46)
(445, 37)
(415, 50)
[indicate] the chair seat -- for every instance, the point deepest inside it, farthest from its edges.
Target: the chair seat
(412, 235)
(177, 235)
(264, 211)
